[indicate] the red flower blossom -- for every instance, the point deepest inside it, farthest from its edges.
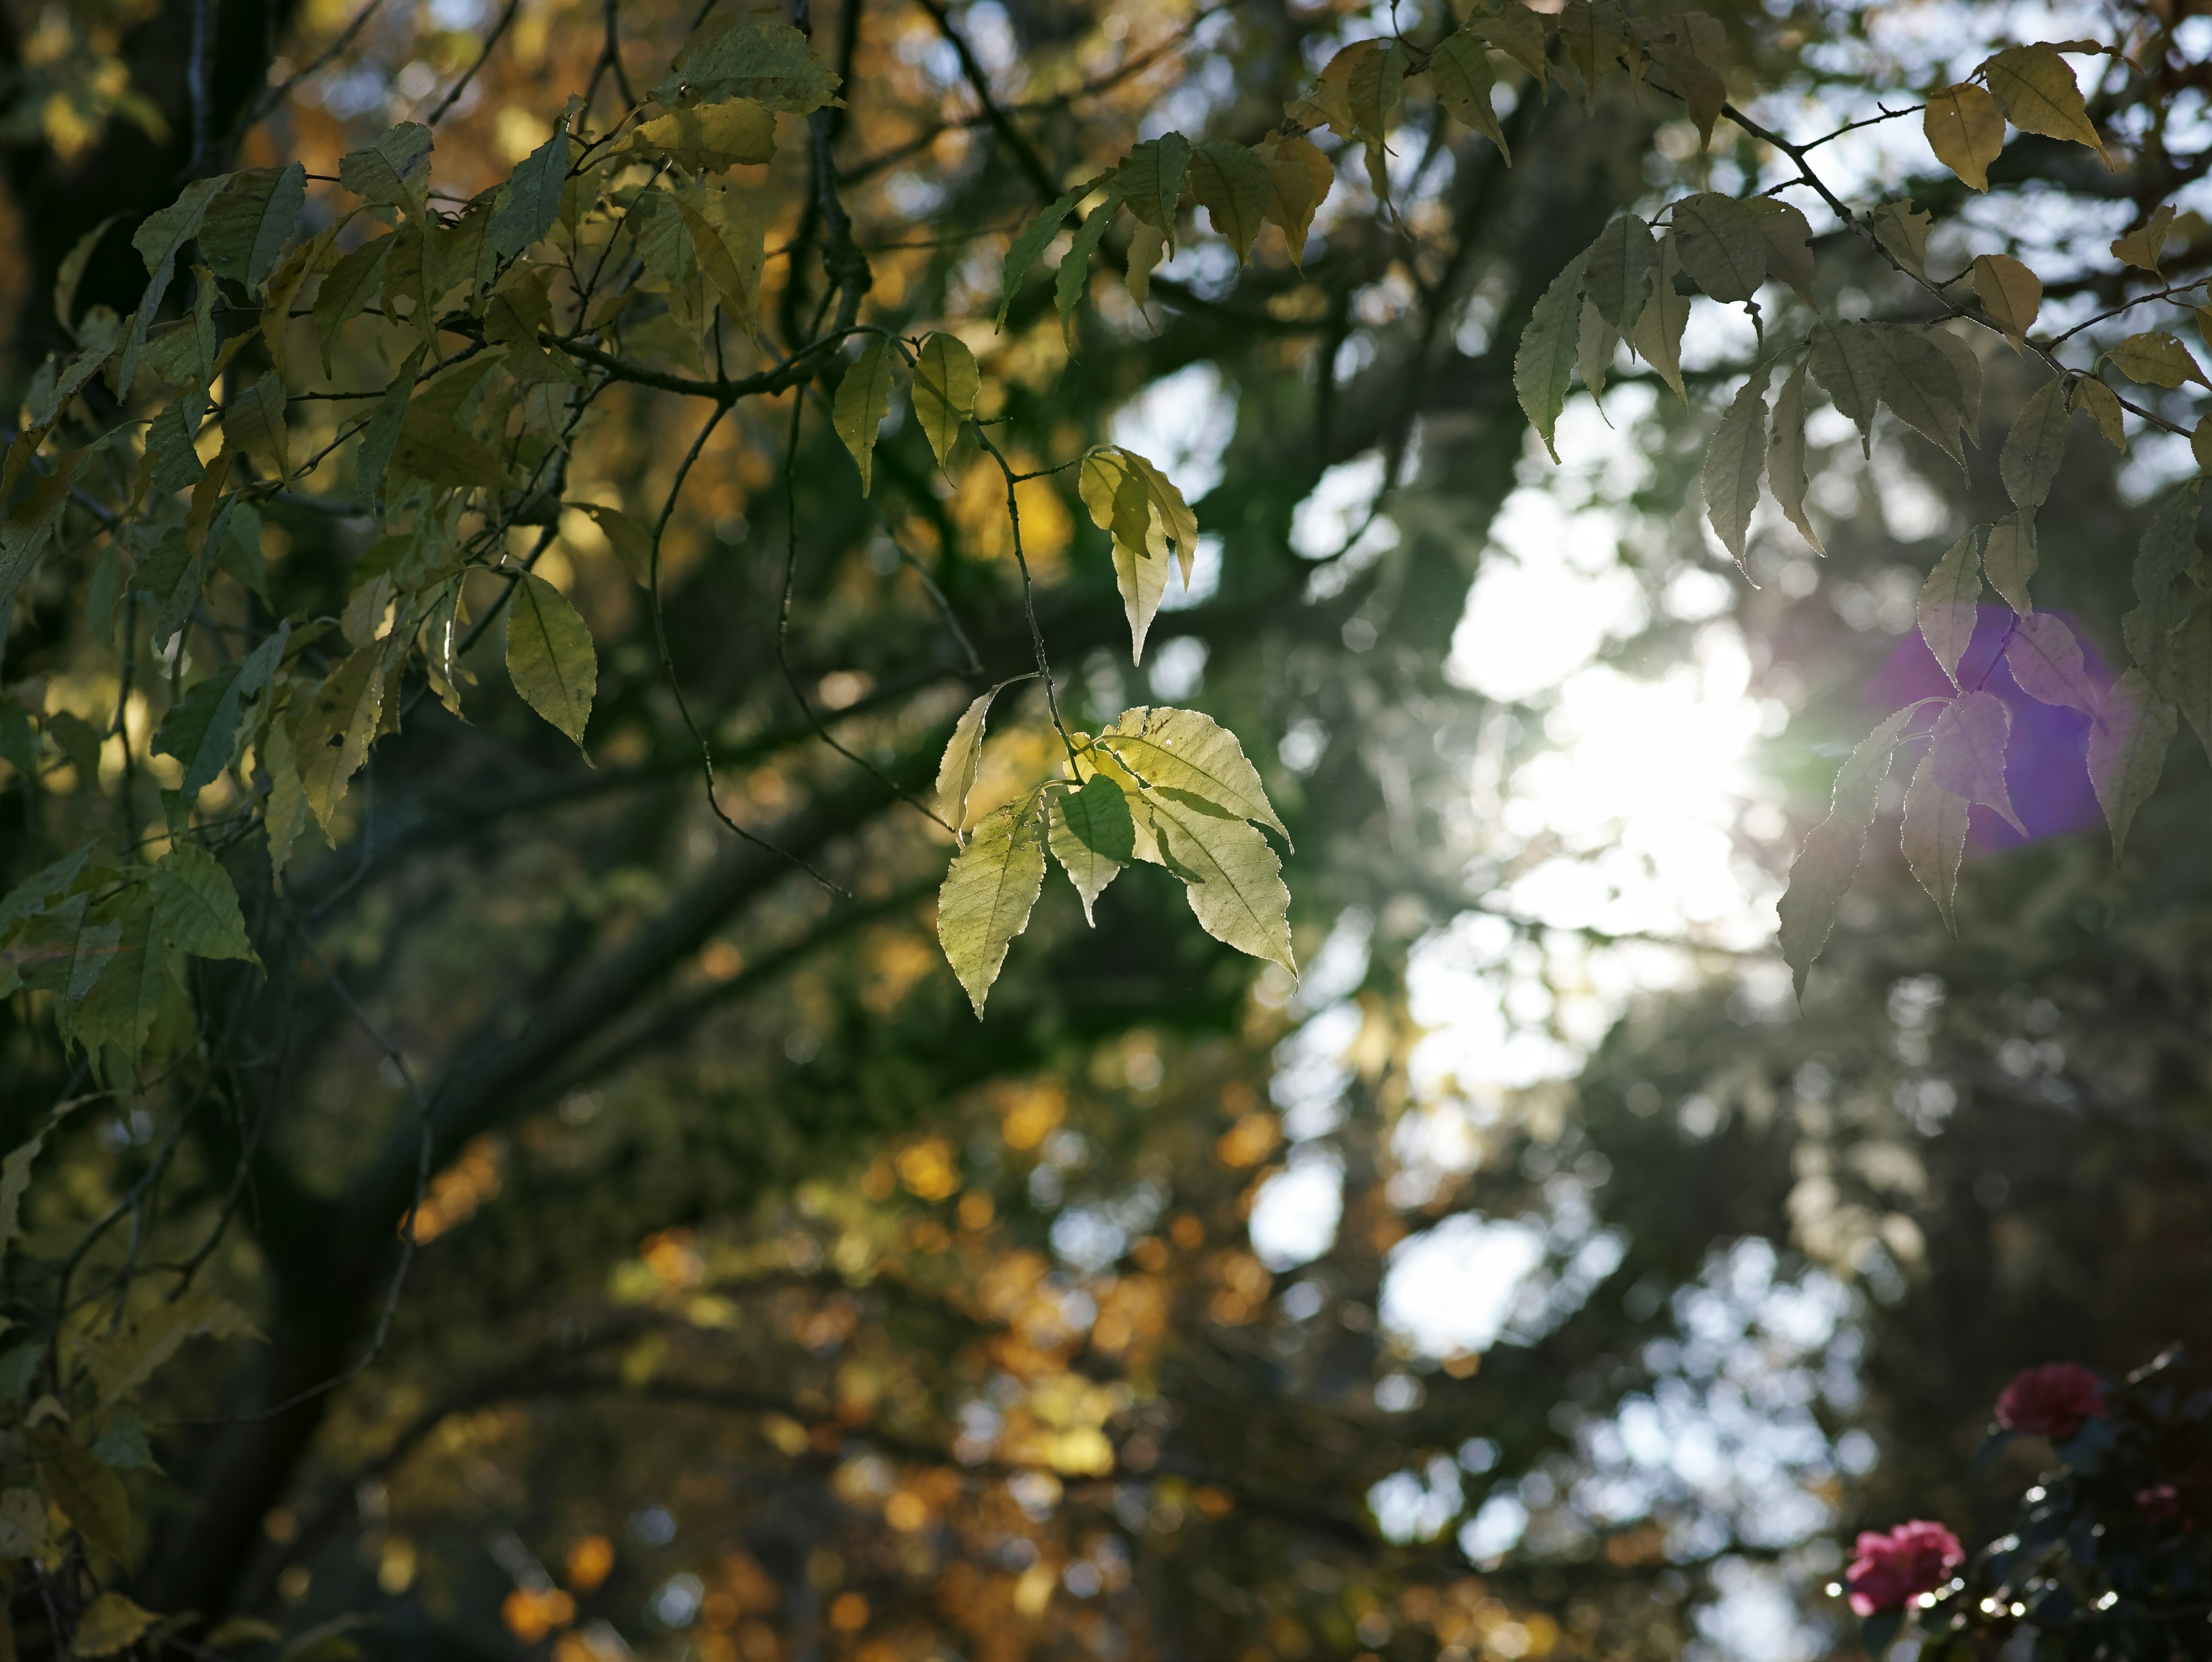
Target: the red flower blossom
(2050, 1402)
(1893, 1569)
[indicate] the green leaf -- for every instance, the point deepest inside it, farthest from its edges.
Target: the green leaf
(1093, 837)
(249, 223)
(770, 63)
(2168, 547)
(1966, 129)
(864, 399)
(1122, 502)
(2008, 558)
(119, 1363)
(1544, 363)
(1786, 457)
(1074, 273)
(1934, 837)
(1231, 875)
(1023, 251)
(1922, 388)
(89, 1495)
(196, 904)
(1657, 336)
(348, 286)
(2128, 743)
(1904, 231)
(550, 657)
(708, 137)
(333, 729)
(531, 205)
(1697, 82)
(631, 542)
(159, 240)
(1618, 276)
(945, 383)
(1949, 602)
(111, 1622)
(1593, 349)
(2036, 89)
(381, 437)
(118, 1008)
(1151, 178)
(1968, 367)
(1968, 748)
(1191, 756)
(989, 890)
(1734, 462)
(2036, 446)
(2045, 658)
(1461, 76)
(1848, 362)
(963, 756)
(71, 273)
(1722, 243)
(1519, 34)
(393, 170)
(2191, 678)
(32, 521)
(1232, 185)
(1825, 865)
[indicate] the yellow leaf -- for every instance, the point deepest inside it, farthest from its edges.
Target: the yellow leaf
(1300, 176)
(2036, 88)
(1904, 234)
(550, 657)
(2155, 358)
(989, 890)
(2103, 407)
(864, 399)
(110, 1623)
(1966, 129)
(2143, 246)
(964, 755)
(331, 734)
(1233, 185)
(945, 382)
(2010, 293)
(708, 137)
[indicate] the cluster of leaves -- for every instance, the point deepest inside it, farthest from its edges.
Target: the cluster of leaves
(2110, 1554)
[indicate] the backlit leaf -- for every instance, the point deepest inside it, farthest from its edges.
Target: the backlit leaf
(1120, 501)
(1461, 76)
(196, 904)
(1232, 184)
(964, 755)
(1518, 32)
(1697, 82)
(1848, 363)
(2045, 658)
(945, 382)
(347, 287)
(1789, 244)
(1023, 251)
(708, 137)
(1299, 178)
(1657, 335)
(2169, 543)
(1968, 750)
(393, 168)
(1735, 460)
(1966, 129)
(1231, 877)
(2155, 358)
(1722, 243)
(2146, 245)
(1904, 231)
(2009, 557)
(1934, 837)
(864, 399)
(549, 656)
(2103, 407)
(1188, 753)
(1544, 363)
(1921, 387)
(110, 1623)
(987, 894)
(249, 223)
(2133, 729)
(1822, 871)
(2036, 89)
(1949, 602)
(1618, 276)
(332, 732)
(2010, 293)
(1150, 179)
(1786, 456)
(2036, 446)
(1093, 837)
(1073, 277)
(1594, 349)
(767, 61)
(531, 206)
(159, 240)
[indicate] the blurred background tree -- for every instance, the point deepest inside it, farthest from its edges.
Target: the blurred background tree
(1532, 1278)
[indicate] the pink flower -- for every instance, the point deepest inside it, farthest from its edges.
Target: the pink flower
(1893, 1569)
(2050, 1402)
(2159, 1504)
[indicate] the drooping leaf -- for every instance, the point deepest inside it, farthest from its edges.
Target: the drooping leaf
(1093, 837)
(767, 61)
(2036, 446)
(2155, 358)
(1519, 34)
(1146, 247)
(197, 905)
(1847, 360)
(32, 519)
(1544, 363)
(2045, 658)
(964, 755)
(253, 424)
(393, 170)
(2036, 89)
(349, 286)
(531, 205)
(2128, 743)
(2145, 246)
(864, 399)
(1073, 277)
(1150, 179)
(1786, 456)
(1789, 244)
(1594, 347)
(1461, 76)
(945, 383)
(110, 1623)
(1372, 90)
(1922, 388)
(1934, 837)
(2169, 544)
(201, 729)
(1950, 601)
(1231, 877)
(2009, 557)
(381, 437)
(331, 735)
(1617, 275)
(1190, 755)
(1120, 502)
(122, 1361)
(1657, 335)
(90, 1495)
(159, 240)
(549, 656)
(708, 137)
(1023, 251)
(1966, 129)
(1903, 231)
(1735, 460)
(1299, 179)
(249, 222)
(70, 273)
(1232, 185)
(2191, 677)
(1176, 521)
(739, 231)
(1968, 750)
(1823, 869)
(2103, 407)
(1722, 243)
(1697, 81)
(989, 890)
(2010, 293)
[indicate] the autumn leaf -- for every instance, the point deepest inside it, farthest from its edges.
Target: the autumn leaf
(945, 383)
(1822, 872)
(1544, 363)
(2010, 293)
(1968, 748)
(988, 892)
(1966, 129)
(2128, 743)
(864, 399)
(2045, 659)
(2036, 89)
(1934, 837)
(1950, 601)
(1093, 837)
(550, 657)
(2009, 557)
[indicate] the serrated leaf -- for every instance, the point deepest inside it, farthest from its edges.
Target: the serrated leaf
(89, 1495)
(1789, 244)
(2045, 659)
(1231, 876)
(1934, 837)
(1120, 502)
(945, 383)
(2155, 358)
(196, 905)
(1150, 179)
(531, 206)
(250, 221)
(1232, 185)
(381, 437)
(2169, 544)
(2133, 731)
(1299, 179)
(1950, 601)
(2103, 407)
(1657, 335)
(1823, 869)
(1093, 836)
(1617, 278)
(1461, 76)
(964, 755)
(1966, 128)
(1735, 460)
(2190, 649)
(1518, 32)
(31, 520)
(201, 729)
(1177, 523)
(253, 424)
(348, 286)
(708, 137)
(770, 62)
(71, 273)
(1594, 349)
(1073, 277)
(110, 1623)
(1698, 82)
(2036, 89)
(332, 732)
(1723, 245)
(1968, 750)
(1544, 363)
(864, 399)
(1022, 252)
(2010, 293)
(741, 231)
(1921, 387)
(549, 656)
(393, 170)
(1786, 457)
(2010, 558)
(1904, 231)
(1146, 246)
(1191, 755)
(2035, 446)
(717, 264)
(159, 239)
(2145, 246)
(1373, 89)
(987, 894)
(1847, 360)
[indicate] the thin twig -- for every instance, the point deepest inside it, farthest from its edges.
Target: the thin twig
(491, 41)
